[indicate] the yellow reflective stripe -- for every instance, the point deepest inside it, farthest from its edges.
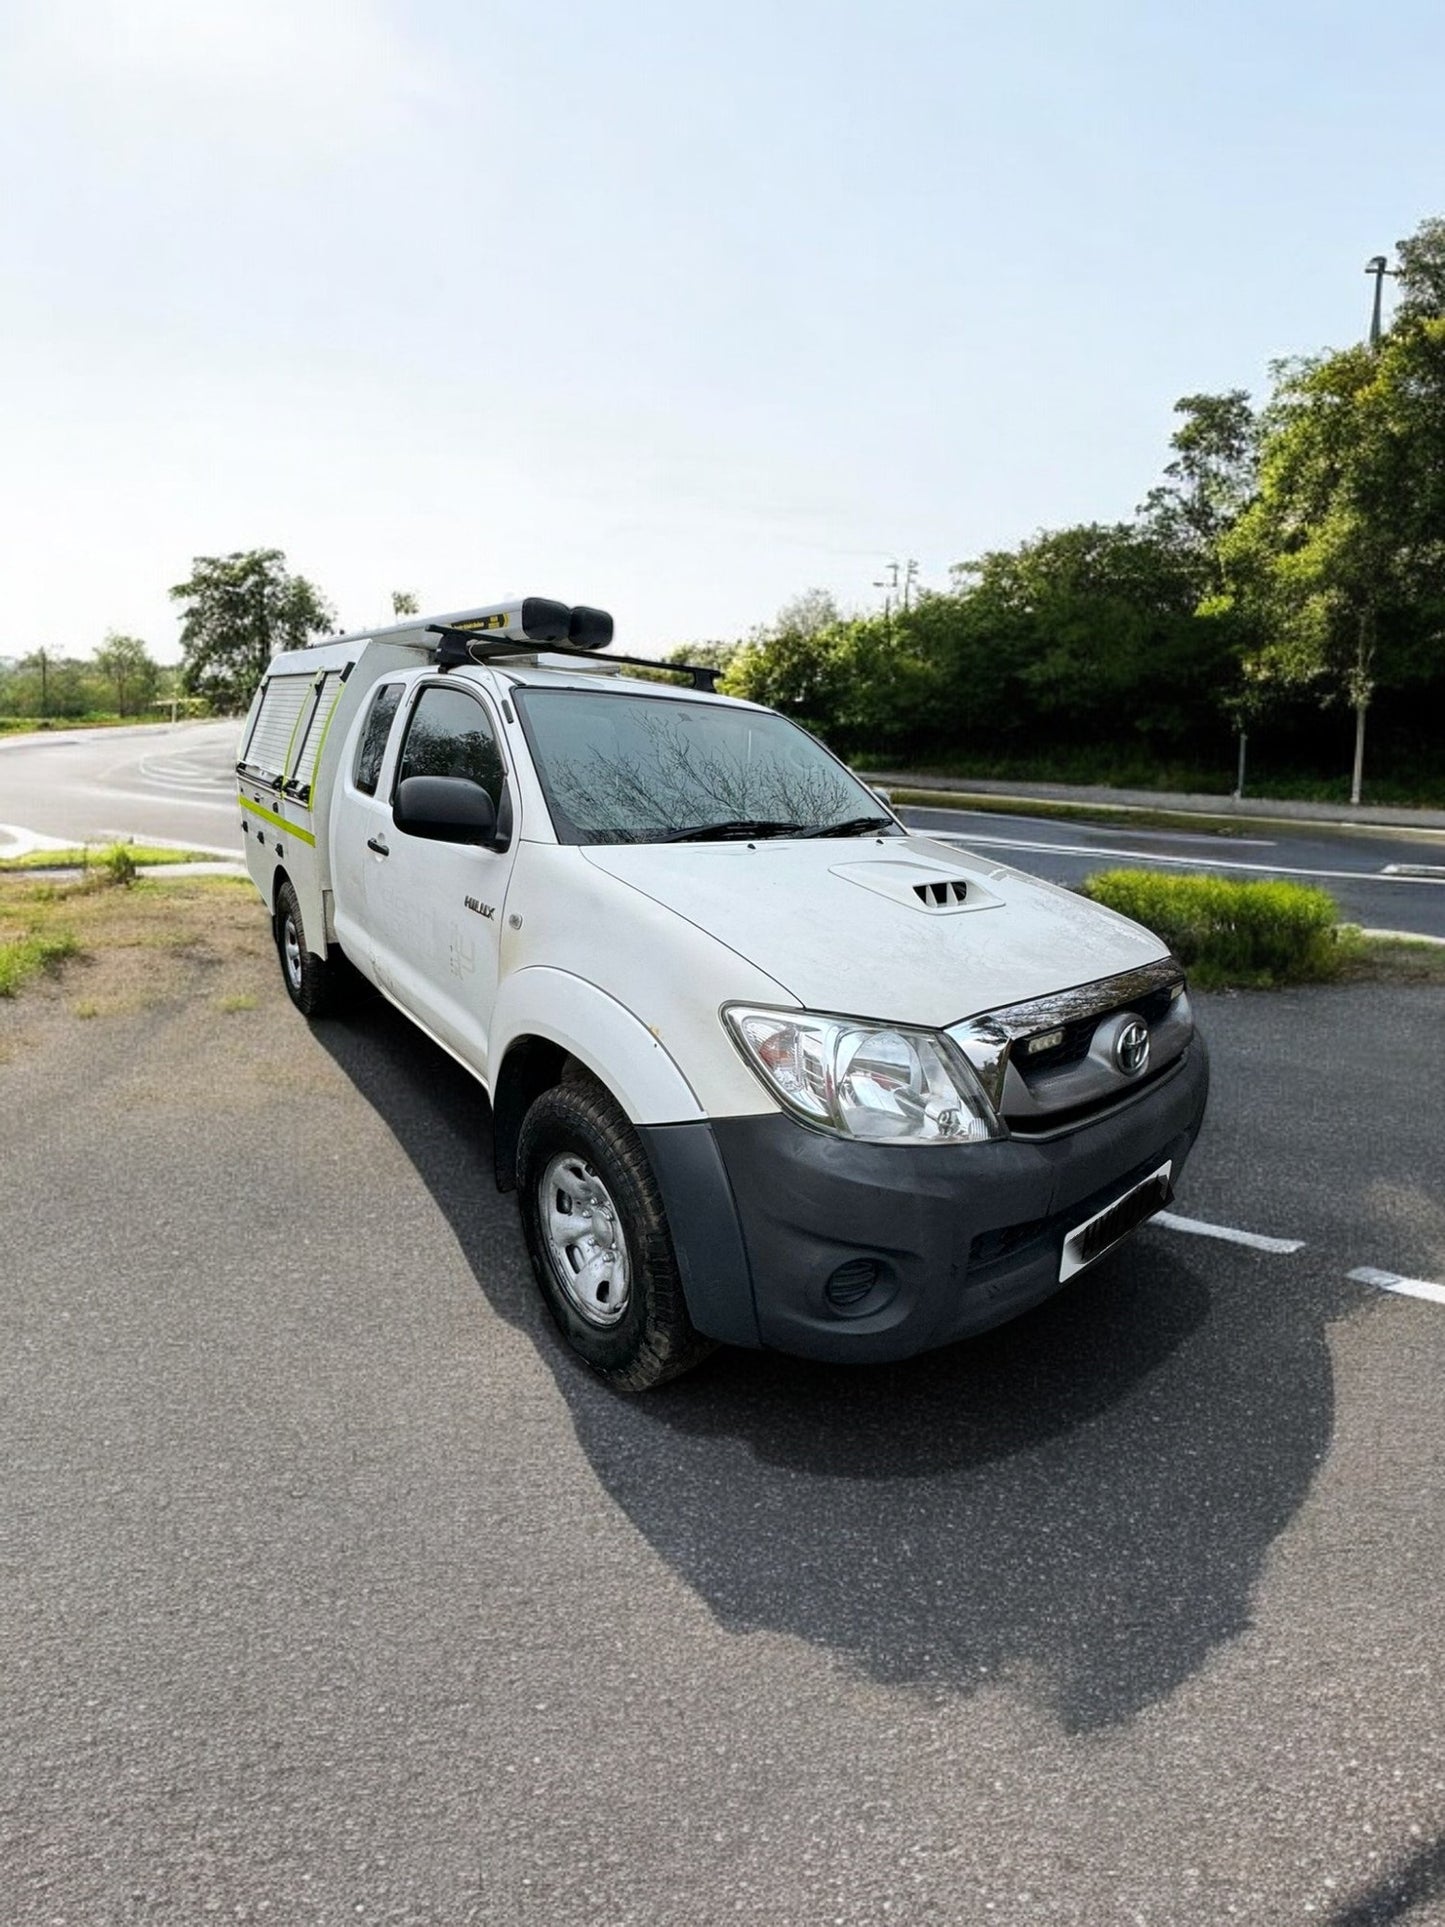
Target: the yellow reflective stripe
(293, 829)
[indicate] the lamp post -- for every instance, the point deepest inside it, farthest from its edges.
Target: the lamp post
(1377, 266)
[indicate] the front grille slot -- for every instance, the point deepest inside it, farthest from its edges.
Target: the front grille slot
(1074, 1044)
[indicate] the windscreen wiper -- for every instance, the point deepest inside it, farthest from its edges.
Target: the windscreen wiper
(738, 826)
(855, 826)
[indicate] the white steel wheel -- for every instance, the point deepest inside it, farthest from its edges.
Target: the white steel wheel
(291, 953)
(598, 1238)
(310, 980)
(585, 1240)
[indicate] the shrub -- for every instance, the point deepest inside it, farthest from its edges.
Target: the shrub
(119, 866)
(1224, 932)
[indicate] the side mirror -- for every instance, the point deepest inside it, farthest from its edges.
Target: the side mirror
(447, 809)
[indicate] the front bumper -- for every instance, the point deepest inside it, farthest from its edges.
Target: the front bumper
(764, 1212)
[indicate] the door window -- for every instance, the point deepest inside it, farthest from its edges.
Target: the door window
(450, 735)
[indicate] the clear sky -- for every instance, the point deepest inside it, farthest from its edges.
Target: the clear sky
(675, 309)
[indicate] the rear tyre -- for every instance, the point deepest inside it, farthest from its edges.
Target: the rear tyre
(599, 1241)
(311, 981)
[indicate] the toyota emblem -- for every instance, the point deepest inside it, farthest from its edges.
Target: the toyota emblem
(1131, 1046)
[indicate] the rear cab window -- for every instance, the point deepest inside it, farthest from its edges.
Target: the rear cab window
(371, 746)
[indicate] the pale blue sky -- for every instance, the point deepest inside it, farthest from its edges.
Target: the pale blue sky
(671, 309)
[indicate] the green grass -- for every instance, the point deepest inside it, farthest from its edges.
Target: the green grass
(1110, 766)
(1257, 935)
(24, 957)
(1396, 960)
(97, 719)
(93, 857)
(986, 802)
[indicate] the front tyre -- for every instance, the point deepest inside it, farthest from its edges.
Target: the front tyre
(311, 981)
(599, 1241)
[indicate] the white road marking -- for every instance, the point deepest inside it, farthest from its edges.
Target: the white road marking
(1431, 870)
(17, 842)
(1392, 1281)
(169, 799)
(1196, 1228)
(1177, 862)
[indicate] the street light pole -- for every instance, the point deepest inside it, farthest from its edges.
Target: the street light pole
(1376, 265)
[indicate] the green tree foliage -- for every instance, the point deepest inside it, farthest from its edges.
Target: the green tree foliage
(126, 665)
(45, 684)
(1421, 272)
(1210, 480)
(240, 610)
(1079, 634)
(1339, 562)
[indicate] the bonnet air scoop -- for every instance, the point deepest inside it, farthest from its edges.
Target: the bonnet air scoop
(918, 885)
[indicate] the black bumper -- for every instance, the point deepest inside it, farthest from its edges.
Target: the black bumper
(764, 1213)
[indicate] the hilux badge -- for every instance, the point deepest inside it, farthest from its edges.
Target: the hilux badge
(490, 910)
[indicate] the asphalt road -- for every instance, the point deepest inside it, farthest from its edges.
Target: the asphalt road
(158, 783)
(1360, 868)
(175, 785)
(336, 1592)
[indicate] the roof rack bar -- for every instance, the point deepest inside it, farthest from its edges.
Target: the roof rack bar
(465, 645)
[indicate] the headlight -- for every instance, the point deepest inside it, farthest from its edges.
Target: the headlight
(878, 1081)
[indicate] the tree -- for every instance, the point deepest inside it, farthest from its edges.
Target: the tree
(49, 685)
(1341, 557)
(404, 603)
(1094, 635)
(241, 610)
(126, 664)
(807, 614)
(1210, 480)
(1421, 274)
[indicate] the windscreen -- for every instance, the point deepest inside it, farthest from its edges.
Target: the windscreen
(625, 768)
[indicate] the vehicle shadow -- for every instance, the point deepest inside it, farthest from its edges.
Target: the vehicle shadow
(1078, 1503)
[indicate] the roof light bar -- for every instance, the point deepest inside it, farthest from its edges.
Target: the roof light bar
(460, 643)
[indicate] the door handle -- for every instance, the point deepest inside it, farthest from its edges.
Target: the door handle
(378, 844)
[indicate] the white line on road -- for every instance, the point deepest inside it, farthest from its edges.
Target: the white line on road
(1431, 870)
(17, 842)
(1177, 862)
(1392, 1281)
(1196, 1228)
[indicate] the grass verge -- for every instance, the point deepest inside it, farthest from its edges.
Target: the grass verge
(1126, 816)
(28, 954)
(137, 945)
(85, 857)
(1394, 960)
(98, 719)
(1108, 767)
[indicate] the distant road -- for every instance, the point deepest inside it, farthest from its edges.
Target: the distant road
(1361, 869)
(167, 783)
(175, 784)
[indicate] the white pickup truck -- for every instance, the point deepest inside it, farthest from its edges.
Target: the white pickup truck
(765, 1067)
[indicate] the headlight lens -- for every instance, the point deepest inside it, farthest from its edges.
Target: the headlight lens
(886, 1083)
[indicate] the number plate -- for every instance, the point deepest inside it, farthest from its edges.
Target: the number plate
(1102, 1232)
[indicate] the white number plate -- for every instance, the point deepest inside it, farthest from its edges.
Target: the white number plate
(1102, 1232)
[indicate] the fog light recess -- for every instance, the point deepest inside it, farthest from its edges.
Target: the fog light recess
(851, 1283)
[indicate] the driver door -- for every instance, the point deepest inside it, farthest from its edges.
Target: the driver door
(435, 908)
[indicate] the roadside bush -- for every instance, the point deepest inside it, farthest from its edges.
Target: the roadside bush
(119, 866)
(1255, 934)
